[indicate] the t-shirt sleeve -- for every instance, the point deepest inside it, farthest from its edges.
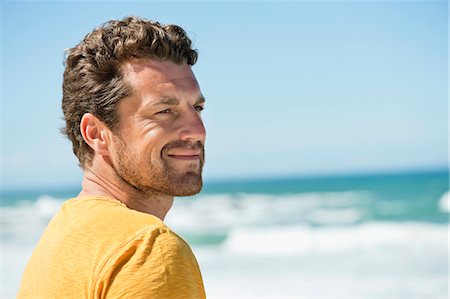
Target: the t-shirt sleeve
(154, 264)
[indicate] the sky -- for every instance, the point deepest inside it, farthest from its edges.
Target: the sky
(294, 88)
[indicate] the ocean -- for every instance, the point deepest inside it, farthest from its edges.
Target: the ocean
(378, 236)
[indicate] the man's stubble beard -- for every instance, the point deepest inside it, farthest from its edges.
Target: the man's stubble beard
(149, 179)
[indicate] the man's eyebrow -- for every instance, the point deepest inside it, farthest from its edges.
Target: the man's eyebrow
(174, 101)
(200, 100)
(167, 101)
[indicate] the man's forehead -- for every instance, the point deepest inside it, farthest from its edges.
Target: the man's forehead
(152, 73)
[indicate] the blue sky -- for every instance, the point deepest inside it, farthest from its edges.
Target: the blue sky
(292, 88)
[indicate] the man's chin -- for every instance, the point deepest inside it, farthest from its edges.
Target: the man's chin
(190, 184)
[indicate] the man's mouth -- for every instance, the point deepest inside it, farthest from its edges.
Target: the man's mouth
(184, 157)
(190, 155)
(184, 152)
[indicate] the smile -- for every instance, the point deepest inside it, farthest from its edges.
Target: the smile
(185, 157)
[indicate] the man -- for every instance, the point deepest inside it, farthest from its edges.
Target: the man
(132, 108)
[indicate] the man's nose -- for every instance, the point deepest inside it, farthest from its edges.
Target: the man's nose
(193, 128)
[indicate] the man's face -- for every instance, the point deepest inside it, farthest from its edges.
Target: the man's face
(160, 143)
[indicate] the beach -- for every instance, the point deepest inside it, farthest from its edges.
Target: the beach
(382, 235)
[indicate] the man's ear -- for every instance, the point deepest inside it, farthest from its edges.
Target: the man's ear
(94, 133)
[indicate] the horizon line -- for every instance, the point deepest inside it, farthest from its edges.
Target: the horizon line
(253, 178)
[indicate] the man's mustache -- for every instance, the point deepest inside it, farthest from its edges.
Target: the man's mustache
(187, 145)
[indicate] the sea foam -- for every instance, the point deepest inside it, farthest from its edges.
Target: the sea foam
(444, 203)
(299, 240)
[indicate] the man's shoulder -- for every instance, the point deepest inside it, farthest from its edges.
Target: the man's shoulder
(100, 222)
(93, 242)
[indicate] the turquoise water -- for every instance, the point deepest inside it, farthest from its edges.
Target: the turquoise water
(415, 195)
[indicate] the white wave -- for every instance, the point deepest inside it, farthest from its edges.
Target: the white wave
(47, 206)
(29, 218)
(225, 211)
(335, 216)
(303, 239)
(444, 203)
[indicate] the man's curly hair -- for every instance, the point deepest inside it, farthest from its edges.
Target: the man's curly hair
(93, 81)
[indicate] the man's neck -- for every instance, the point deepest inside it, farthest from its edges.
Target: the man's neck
(102, 181)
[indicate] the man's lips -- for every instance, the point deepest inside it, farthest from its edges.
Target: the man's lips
(184, 151)
(185, 156)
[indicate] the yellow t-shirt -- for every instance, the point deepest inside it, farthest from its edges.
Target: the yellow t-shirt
(95, 247)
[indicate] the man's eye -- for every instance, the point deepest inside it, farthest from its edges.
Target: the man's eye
(165, 111)
(199, 108)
